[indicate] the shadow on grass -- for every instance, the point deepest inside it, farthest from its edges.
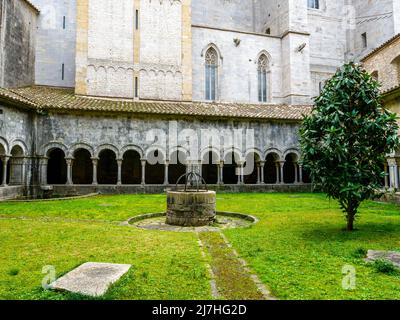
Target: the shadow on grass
(364, 232)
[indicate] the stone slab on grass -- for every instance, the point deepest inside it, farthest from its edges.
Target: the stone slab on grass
(91, 279)
(391, 256)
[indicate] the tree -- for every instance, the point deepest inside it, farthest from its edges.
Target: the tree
(346, 138)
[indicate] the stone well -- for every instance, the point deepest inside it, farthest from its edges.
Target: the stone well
(191, 208)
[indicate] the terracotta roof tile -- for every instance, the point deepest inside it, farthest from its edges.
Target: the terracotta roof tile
(390, 90)
(45, 98)
(388, 42)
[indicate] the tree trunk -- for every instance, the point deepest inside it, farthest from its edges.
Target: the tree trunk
(350, 221)
(351, 210)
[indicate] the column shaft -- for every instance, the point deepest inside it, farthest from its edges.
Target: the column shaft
(119, 180)
(144, 172)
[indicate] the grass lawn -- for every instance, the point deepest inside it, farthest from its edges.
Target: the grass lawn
(298, 248)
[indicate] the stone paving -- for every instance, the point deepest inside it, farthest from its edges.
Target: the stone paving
(223, 222)
(392, 256)
(91, 279)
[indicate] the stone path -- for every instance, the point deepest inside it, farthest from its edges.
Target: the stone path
(391, 256)
(91, 279)
(231, 278)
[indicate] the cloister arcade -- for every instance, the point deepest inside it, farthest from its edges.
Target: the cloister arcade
(83, 164)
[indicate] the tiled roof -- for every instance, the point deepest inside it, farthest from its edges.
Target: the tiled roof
(45, 98)
(388, 42)
(391, 90)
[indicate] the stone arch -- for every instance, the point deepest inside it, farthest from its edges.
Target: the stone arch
(396, 64)
(290, 168)
(215, 47)
(265, 53)
(173, 150)
(53, 145)
(256, 151)
(293, 151)
(272, 166)
(210, 165)
(132, 147)
(56, 165)
(131, 170)
(81, 145)
(82, 165)
(264, 76)
(238, 154)
(159, 149)
(3, 152)
(15, 166)
(107, 168)
(107, 146)
(231, 162)
(274, 151)
(20, 143)
(155, 167)
(375, 75)
(251, 170)
(214, 150)
(177, 165)
(4, 147)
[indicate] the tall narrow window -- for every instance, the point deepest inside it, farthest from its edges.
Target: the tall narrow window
(262, 78)
(62, 71)
(137, 20)
(364, 40)
(211, 74)
(64, 22)
(136, 87)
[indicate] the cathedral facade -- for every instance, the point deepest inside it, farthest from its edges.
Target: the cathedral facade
(125, 96)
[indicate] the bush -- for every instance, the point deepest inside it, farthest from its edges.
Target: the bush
(13, 272)
(385, 266)
(360, 253)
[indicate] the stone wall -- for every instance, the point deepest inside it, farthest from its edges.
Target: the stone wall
(18, 21)
(237, 70)
(376, 19)
(273, 15)
(17, 142)
(110, 48)
(328, 46)
(387, 63)
(114, 49)
(225, 14)
(56, 39)
(161, 50)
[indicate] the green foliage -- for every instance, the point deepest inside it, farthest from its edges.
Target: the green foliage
(346, 138)
(13, 272)
(360, 253)
(385, 266)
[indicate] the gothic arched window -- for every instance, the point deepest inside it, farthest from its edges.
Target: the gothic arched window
(262, 78)
(211, 74)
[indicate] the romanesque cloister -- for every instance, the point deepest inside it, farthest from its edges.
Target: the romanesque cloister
(83, 164)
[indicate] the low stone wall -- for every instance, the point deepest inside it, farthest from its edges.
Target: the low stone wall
(155, 189)
(12, 192)
(390, 197)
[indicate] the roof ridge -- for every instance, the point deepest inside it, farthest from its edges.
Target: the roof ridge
(383, 45)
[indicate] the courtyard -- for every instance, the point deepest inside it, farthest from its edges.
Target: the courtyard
(298, 249)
